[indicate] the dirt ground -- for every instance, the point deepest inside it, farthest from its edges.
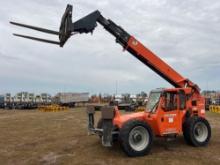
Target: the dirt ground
(33, 137)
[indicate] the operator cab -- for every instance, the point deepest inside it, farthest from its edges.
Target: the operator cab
(169, 106)
(168, 99)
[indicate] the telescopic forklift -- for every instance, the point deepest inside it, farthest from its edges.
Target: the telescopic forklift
(169, 112)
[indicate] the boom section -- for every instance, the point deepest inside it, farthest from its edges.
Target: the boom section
(154, 62)
(138, 50)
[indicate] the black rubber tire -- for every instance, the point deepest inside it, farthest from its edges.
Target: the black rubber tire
(189, 133)
(124, 138)
(185, 132)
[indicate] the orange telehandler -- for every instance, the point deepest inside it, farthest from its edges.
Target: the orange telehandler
(169, 112)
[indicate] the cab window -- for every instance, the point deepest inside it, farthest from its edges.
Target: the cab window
(170, 101)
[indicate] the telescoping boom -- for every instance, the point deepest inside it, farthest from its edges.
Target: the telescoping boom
(88, 23)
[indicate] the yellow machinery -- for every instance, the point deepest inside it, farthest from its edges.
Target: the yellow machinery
(214, 108)
(52, 108)
(140, 109)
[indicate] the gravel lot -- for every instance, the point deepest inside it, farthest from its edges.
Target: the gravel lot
(33, 137)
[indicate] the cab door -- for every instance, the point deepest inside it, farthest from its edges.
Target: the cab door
(170, 116)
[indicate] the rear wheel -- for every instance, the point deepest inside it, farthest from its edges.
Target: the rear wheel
(136, 138)
(197, 131)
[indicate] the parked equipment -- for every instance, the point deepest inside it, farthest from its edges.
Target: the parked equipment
(25, 100)
(208, 102)
(169, 112)
(125, 102)
(1, 101)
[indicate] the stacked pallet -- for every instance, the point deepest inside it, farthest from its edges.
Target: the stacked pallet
(140, 109)
(214, 108)
(52, 108)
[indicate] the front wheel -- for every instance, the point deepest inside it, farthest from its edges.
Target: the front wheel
(197, 131)
(136, 138)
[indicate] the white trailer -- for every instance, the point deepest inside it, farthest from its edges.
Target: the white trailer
(71, 99)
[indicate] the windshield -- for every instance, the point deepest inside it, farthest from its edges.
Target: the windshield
(153, 100)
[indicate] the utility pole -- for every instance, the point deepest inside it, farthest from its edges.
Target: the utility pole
(116, 87)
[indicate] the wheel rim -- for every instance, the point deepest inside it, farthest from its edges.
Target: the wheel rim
(200, 132)
(139, 138)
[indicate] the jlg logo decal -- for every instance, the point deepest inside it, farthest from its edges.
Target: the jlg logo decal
(134, 42)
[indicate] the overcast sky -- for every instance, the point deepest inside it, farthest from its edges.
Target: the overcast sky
(185, 34)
